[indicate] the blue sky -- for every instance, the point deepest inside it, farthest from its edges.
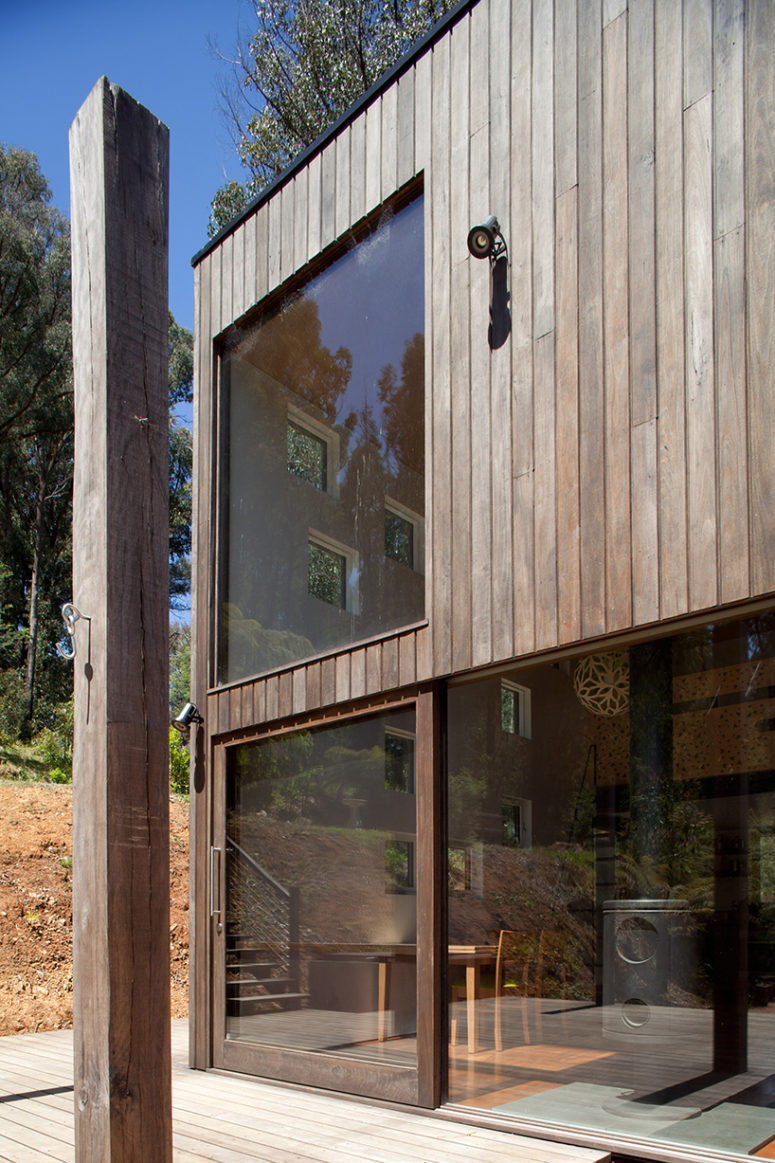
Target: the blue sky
(157, 50)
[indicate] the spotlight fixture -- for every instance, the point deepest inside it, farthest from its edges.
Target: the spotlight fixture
(486, 240)
(189, 714)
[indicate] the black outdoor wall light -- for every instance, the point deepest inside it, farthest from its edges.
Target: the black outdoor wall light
(486, 240)
(189, 714)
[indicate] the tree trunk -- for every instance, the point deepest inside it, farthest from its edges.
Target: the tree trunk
(32, 640)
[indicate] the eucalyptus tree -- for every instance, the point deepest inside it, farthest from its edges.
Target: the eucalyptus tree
(303, 64)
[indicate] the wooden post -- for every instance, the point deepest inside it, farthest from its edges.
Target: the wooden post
(119, 195)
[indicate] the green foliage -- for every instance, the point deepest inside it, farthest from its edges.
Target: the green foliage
(179, 774)
(11, 704)
(180, 665)
(36, 449)
(304, 65)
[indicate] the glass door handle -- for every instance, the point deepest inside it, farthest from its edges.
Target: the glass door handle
(215, 884)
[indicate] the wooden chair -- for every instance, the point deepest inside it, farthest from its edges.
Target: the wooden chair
(518, 952)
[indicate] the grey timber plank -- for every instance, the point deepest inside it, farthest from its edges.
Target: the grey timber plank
(545, 493)
(227, 265)
(567, 420)
(274, 207)
(700, 396)
(481, 543)
(565, 98)
(389, 664)
(645, 540)
(374, 668)
(299, 679)
(543, 167)
(238, 273)
(612, 10)
(668, 90)
(422, 112)
(343, 182)
(250, 262)
(407, 661)
(358, 673)
(760, 285)
(314, 205)
(460, 349)
(728, 116)
(300, 206)
(618, 539)
(642, 321)
(500, 353)
(698, 50)
(343, 678)
(389, 142)
(262, 254)
(521, 304)
(287, 234)
(405, 127)
(440, 466)
(729, 358)
(358, 167)
(592, 497)
(373, 154)
(642, 291)
(328, 195)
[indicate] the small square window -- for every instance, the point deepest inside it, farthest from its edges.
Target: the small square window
(515, 709)
(399, 865)
(327, 575)
(307, 456)
(399, 761)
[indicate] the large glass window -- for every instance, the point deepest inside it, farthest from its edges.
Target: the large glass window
(610, 892)
(321, 920)
(323, 494)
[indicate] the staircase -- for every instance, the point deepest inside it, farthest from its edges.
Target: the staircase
(262, 939)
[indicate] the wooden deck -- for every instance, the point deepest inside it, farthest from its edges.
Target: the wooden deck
(237, 1120)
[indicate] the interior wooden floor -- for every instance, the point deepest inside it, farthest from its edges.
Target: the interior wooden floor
(558, 1065)
(238, 1120)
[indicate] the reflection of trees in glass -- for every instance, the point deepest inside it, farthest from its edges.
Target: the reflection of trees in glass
(249, 640)
(402, 405)
(399, 864)
(287, 346)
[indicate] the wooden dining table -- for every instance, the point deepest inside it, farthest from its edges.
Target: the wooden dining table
(473, 957)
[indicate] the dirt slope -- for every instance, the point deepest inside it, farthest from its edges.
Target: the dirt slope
(36, 911)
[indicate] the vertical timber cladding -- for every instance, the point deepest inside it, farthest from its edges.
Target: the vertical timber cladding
(609, 465)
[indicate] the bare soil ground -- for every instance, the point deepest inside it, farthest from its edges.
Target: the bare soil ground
(36, 907)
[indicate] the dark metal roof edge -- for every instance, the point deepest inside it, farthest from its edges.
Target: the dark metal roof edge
(383, 82)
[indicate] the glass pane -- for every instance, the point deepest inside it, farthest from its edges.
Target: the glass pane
(326, 389)
(399, 537)
(307, 456)
(611, 884)
(321, 922)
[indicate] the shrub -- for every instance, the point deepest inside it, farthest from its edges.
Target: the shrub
(178, 763)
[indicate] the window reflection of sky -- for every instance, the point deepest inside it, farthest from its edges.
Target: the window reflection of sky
(360, 308)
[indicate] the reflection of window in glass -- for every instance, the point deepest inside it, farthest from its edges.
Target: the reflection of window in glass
(515, 709)
(307, 456)
(517, 823)
(332, 572)
(404, 535)
(327, 575)
(399, 865)
(399, 761)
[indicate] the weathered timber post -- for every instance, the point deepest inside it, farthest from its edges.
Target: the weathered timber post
(119, 161)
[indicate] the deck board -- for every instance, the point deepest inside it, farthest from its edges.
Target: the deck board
(231, 1119)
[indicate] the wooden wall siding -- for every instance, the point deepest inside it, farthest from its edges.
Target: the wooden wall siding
(610, 465)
